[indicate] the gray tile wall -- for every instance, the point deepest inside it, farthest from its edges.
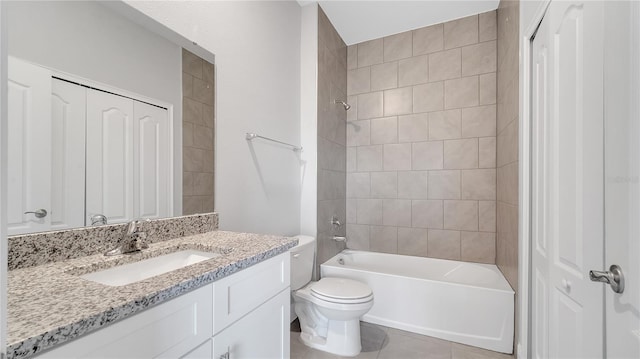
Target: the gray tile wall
(198, 134)
(332, 84)
(421, 141)
(508, 113)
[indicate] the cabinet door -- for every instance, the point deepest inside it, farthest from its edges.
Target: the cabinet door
(167, 331)
(151, 161)
(110, 157)
(263, 333)
(204, 351)
(28, 147)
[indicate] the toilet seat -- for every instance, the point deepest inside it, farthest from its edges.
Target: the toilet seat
(341, 290)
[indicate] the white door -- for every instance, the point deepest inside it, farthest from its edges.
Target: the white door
(151, 166)
(68, 106)
(29, 148)
(110, 157)
(567, 182)
(622, 174)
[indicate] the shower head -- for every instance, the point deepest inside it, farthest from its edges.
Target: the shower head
(346, 105)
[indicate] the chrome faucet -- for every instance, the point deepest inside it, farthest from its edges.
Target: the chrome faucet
(133, 240)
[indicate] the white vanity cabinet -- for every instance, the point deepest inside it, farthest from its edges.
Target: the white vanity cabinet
(244, 315)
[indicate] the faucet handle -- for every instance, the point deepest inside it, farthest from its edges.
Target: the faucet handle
(132, 227)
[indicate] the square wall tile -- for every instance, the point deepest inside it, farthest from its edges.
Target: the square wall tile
(370, 53)
(479, 121)
(369, 211)
(397, 157)
(427, 214)
(358, 185)
(487, 152)
(445, 125)
(358, 81)
(444, 185)
(398, 46)
(488, 87)
(370, 105)
(384, 76)
(384, 184)
(461, 32)
(461, 154)
(352, 57)
(413, 241)
(461, 92)
(369, 158)
(487, 216)
(352, 164)
(428, 97)
(359, 133)
(488, 26)
(384, 130)
(444, 244)
(352, 205)
(479, 184)
(396, 212)
(478, 247)
(461, 215)
(358, 235)
(427, 155)
(428, 39)
(413, 71)
(412, 184)
(479, 58)
(445, 65)
(413, 128)
(398, 101)
(384, 239)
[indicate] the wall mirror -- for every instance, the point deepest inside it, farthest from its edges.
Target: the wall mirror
(111, 117)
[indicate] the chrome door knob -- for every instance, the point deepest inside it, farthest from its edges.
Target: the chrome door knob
(39, 213)
(613, 277)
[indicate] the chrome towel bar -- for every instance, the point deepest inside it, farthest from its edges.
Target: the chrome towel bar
(251, 136)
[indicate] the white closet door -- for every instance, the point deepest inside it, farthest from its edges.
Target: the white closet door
(110, 157)
(29, 147)
(151, 166)
(68, 107)
(567, 317)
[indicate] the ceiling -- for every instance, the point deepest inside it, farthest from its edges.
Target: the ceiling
(358, 21)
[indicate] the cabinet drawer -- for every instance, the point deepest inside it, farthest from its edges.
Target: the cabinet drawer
(244, 291)
(168, 330)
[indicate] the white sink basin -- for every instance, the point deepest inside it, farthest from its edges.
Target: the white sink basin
(137, 271)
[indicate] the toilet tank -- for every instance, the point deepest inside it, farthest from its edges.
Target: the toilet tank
(302, 257)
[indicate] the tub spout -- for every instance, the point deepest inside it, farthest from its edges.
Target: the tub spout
(340, 239)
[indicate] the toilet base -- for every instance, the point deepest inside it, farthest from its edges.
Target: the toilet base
(343, 338)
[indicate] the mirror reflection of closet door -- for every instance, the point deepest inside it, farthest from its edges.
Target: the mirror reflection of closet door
(110, 157)
(29, 148)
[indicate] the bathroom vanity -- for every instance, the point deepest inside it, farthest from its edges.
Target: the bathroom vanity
(236, 303)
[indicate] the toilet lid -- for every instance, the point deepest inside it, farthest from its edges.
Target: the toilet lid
(341, 288)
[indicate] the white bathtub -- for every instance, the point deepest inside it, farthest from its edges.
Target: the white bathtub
(463, 302)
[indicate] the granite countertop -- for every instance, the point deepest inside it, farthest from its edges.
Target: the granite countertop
(50, 304)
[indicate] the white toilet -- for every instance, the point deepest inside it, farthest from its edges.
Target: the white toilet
(329, 309)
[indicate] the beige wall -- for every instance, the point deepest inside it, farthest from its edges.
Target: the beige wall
(421, 137)
(507, 154)
(197, 134)
(332, 84)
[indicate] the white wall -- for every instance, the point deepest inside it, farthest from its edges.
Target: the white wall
(257, 49)
(309, 119)
(91, 41)
(3, 178)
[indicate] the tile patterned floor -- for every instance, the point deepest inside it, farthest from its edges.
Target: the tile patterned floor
(380, 342)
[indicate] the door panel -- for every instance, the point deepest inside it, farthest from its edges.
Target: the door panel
(567, 186)
(622, 173)
(151, 161)
(28, 147)
(68, 107)
(110, 157)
